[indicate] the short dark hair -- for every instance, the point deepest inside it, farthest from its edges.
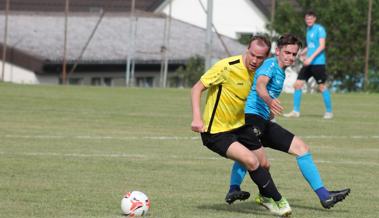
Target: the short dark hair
(310, 13)
(262, 40)
(289, 39)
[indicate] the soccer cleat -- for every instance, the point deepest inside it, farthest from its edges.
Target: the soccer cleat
(292, 114)
(281, 208)
(236, 195)
(267, 203)
(328, 115)
(284, 208)
(335, 197)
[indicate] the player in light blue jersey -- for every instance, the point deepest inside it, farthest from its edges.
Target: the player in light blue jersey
(262, 104)
(314, 65)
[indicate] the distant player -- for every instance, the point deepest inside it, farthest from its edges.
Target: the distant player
(262, 104)
(314, 65)
(222, 126)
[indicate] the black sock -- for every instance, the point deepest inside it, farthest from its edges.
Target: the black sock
(266, 185)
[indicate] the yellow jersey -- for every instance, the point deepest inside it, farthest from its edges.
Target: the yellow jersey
(228, 83)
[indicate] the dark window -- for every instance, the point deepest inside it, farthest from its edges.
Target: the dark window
(108, 81)
(96, 81)
(75, 81)
(145, 81)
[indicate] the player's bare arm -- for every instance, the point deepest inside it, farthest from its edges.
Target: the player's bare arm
(274, 104)
(197, 124)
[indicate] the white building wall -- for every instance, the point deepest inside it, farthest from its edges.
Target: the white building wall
(18, 74)
(230, 17)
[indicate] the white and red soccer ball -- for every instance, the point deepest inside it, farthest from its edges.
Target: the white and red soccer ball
(135, 204)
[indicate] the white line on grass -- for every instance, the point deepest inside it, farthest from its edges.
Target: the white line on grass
(143, 156)
(169, 137)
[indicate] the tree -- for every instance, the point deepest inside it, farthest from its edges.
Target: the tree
(346, 23)
(189, 74)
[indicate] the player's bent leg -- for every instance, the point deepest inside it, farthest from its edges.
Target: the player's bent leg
(299, 84)
(296, 100)
(298, 147)
(260, 176)
(263, 161)
(309, 170)
(237, 175)
(262, 158)
(327, 101)
(240, 153)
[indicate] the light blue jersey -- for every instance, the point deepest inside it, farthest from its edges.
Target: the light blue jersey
(314, 34)
(254, 103)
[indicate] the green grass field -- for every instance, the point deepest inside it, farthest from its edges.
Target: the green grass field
(73, 151)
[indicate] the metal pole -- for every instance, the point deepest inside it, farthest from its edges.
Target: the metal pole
(64, 65)
(273, 6)
(132, 70)
(208, 43)
(131, 44)
(367, 55)
(218, 34)
(165, 46)
(86, 45)
(2, 76)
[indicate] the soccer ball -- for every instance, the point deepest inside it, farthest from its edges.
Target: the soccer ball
(135, 203)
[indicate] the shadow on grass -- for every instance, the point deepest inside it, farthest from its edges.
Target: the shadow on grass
(319, 209)
(238, 207)
(252, 208)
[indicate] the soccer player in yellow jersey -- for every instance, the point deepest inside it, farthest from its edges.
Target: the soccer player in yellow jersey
(222, 126)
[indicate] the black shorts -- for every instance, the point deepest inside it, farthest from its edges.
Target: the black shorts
(317, 71)
(220, 142)
(270, 134)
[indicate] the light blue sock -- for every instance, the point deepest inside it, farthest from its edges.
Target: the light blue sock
(309, 171)
(238, 174)
(327, 100)
(297, 100)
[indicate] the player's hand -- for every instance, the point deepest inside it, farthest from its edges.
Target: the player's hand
(272, 116)
(275, 107)
(307, 61)
(197, 126)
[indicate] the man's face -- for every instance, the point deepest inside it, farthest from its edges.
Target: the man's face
(310, 20)
(287, 55)
(255, 55)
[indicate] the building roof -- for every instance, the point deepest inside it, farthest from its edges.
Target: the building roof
(41, 36)
(80, 5)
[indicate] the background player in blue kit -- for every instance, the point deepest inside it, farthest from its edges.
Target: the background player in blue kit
(262, 104)
(314, 65)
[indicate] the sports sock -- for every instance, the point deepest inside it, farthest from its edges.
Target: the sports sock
(237, 175)
(309, 170)
(327, 100)
(234, 188)
(322, 193)
(262, 179)
(297, 100)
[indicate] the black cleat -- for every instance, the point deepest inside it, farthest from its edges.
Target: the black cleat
(236, 195)
(335, 197)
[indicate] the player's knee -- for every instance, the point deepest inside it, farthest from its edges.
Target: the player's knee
(251, 163)
(265, 164)
(303, 148)
(321, 87)
(298, 85)
(298, 147)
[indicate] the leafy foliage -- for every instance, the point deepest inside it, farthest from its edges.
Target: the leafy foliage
(189, 74)
(346, 23)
